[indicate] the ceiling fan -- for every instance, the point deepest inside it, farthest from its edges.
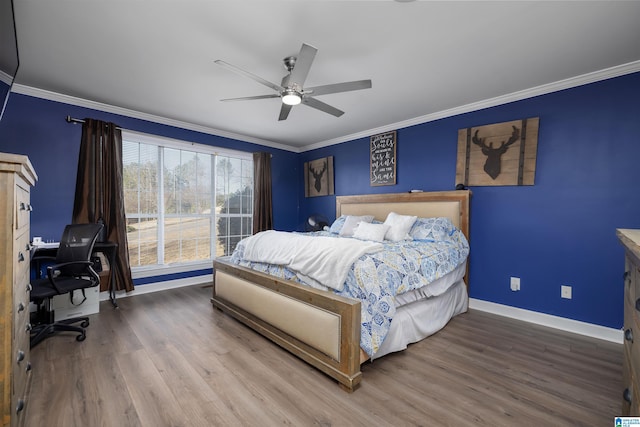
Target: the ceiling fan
(292, 90)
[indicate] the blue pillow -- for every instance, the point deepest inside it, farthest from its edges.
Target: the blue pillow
(337, 224)
(438, 228)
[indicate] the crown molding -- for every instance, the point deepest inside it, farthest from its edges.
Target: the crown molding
(596, 76)
(607, 73)
(6, 78)
(80, 102)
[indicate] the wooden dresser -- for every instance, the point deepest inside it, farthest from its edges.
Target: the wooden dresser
(631, 366)
(16, 178)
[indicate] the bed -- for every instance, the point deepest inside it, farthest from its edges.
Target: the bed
(324, 328)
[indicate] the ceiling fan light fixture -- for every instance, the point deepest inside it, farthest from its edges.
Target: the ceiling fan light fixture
(292, 91)
(291, 97)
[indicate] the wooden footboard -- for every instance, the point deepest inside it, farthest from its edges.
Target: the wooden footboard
(319, 327)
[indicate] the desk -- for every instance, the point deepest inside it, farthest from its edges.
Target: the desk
(109, 249)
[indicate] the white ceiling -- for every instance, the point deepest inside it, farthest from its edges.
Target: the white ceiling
(155, 59)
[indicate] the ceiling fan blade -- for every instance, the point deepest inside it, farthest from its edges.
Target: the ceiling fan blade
(319, 105)
(252, 76)
(284, 111)
(338, 87)
(303, 64)
(249, 98)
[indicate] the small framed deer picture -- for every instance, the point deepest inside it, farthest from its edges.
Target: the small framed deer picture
(318, 177)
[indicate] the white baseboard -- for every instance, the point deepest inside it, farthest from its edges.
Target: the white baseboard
(160, 286)
(568, 325)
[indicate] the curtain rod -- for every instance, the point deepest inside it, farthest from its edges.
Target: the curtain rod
(70, 119)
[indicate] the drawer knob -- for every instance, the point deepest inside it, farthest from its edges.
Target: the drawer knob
(20, 405)
(23, 207)
(28, 368)
(20, 307)
(29, 207)
(29, 287)
(28, 328)
(20, 257)
(626, 395)
(20, 355)
(638, 304)
(628, 335)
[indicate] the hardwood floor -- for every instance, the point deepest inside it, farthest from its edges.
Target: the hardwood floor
(170, 359)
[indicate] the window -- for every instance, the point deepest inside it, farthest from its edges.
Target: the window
(184, 202)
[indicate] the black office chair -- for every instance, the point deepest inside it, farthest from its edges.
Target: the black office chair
(73, 270)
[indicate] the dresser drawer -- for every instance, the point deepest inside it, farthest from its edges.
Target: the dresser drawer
(21, 359)
(21, 322)
(634, 361)
(22, 257)
(627, 384)
(634, 406)
(634, 280)
(630, 285)
(630, 395)
(21, 369)
(23, 205)
(632, 337)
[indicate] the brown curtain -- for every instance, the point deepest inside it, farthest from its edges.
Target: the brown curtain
(262, 201)
(99, 194)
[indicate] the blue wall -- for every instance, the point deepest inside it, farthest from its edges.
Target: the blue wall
(37, 128)
(559, 231)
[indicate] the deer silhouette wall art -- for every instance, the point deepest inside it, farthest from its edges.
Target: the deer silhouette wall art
(494, 155)
(318, 177)
(498, 154)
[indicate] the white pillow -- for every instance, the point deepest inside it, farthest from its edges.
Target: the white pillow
(351, 222)
(399, 226)
(367, 231)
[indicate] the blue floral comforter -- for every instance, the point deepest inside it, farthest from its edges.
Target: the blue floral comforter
(375, 279)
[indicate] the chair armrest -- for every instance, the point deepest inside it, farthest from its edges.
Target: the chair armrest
(37, 257)
(64, 264)
(53, 268)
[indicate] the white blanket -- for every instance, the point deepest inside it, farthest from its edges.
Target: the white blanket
(317, 260)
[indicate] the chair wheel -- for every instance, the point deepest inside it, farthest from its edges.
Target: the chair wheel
(81, 337)
(85, 323)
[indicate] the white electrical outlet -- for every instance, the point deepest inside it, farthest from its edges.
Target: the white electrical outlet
(565, 291)
(515, 284)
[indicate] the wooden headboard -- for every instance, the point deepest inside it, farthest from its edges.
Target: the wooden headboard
(451, 204)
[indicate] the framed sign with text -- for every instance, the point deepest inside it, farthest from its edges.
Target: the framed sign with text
(383, 159)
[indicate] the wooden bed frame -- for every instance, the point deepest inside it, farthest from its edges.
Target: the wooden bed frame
(320, 327)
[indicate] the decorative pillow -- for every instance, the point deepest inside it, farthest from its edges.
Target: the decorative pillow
(399, 226)
(367, 231)
(337, 224)
(438, 228)
(351, 222)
